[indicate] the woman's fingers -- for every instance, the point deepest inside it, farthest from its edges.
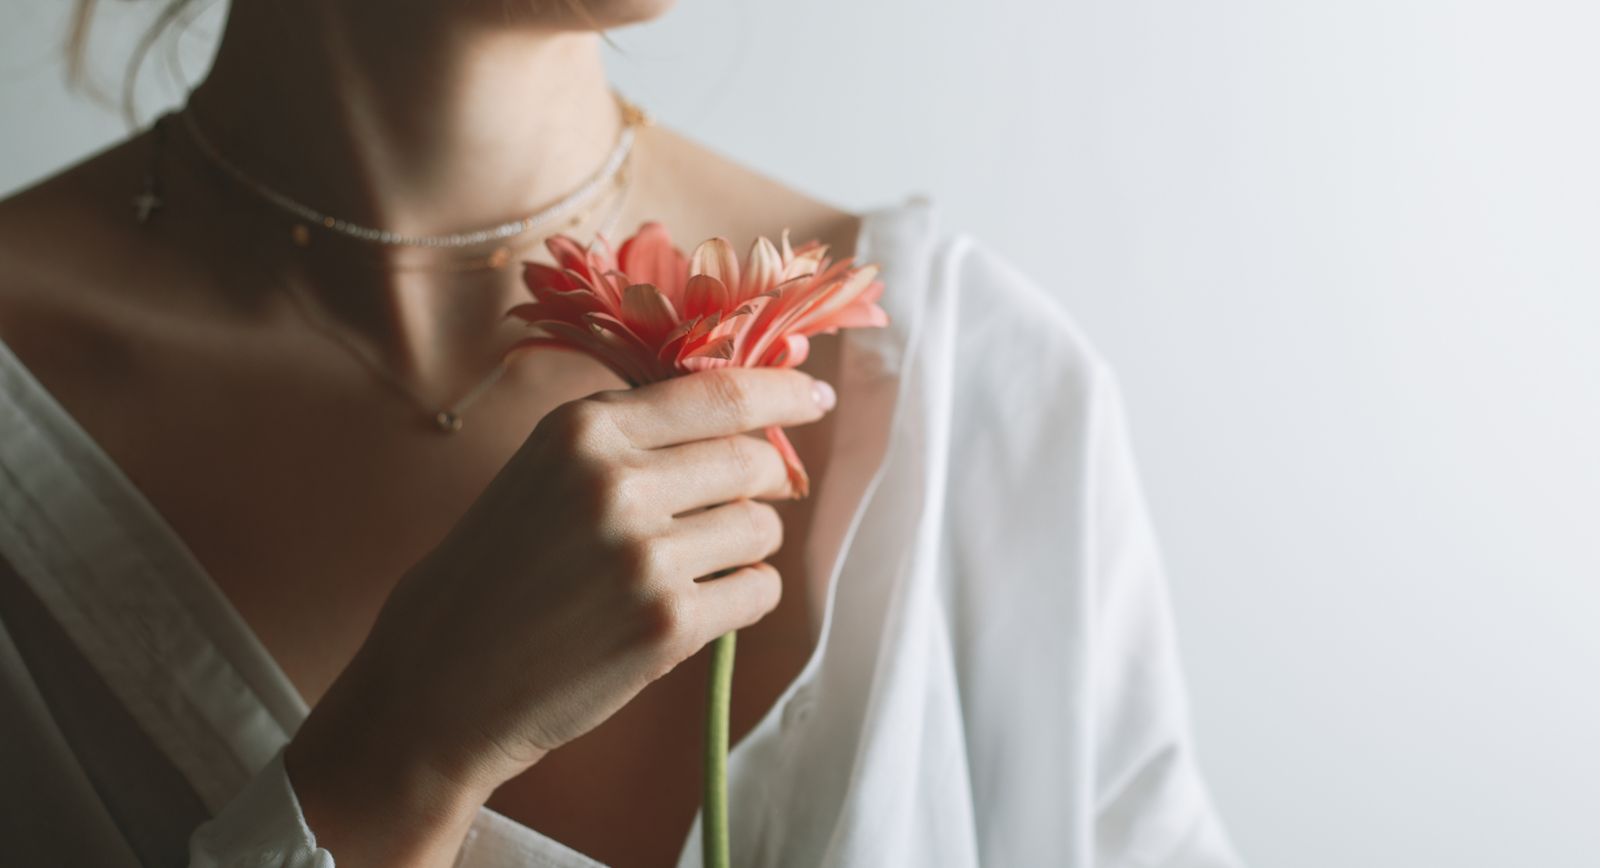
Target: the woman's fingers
(737, 600)
(716, 403)
(732, 535)
(720, 470)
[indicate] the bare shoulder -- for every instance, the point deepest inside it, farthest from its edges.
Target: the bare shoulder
(74, 232)
(66, 226)
(72, 259)
(698, 194)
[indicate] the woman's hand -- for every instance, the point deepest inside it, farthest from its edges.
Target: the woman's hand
(569, 586)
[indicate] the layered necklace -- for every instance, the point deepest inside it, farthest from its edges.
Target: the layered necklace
(612, 177)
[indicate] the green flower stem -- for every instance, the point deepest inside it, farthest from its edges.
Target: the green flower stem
(714, 810)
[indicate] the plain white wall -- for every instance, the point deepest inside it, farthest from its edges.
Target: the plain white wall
(1346, 256)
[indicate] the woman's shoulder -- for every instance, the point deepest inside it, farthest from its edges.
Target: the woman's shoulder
(73, 265)
(78, 222)
(699, 193)
(76, 233)
(1010, 302)
(1006, 327)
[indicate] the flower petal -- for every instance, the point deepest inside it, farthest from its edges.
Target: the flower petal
(808, 259)
(570, 255)
(790, 352)
(647, 313)
(598, 345)
(542, 278)
(770, 323)
(844, 291)
(616, 334)
(649, 257)
(715, 257)
(722, 348)
(600, 287)
(791, 462)
(672, 345)
(704, 332)
(856, 315)
(562, 306)
(706, 295)
(763, 269)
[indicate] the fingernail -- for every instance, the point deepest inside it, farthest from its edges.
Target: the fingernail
(823, 394)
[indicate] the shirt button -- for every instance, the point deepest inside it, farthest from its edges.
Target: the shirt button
(798, 708)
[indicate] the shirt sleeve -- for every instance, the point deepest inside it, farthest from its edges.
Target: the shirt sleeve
(261, 828)
(1073, 696)
(1153, 808)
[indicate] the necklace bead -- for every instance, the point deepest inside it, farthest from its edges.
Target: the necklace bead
(631, 118)
(447, 419)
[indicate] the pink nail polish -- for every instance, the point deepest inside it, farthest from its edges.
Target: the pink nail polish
(824, 395)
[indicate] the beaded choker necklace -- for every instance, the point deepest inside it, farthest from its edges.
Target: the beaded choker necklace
(632, 117)
(446, 419)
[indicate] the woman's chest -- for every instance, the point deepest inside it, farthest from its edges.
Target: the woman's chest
(626, 792)
(313, 576)
(307, 549)
(307, 505)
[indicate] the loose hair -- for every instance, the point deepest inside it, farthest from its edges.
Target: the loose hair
(174, 16)
(79, 75)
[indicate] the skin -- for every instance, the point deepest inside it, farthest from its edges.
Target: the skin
(509, 615)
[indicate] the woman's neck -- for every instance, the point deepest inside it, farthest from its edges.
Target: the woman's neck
(412, 117)
(407, 116)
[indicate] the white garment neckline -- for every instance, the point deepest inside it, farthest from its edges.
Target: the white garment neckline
(168, 642)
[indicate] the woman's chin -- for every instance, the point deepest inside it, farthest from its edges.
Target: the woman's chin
(578, 14)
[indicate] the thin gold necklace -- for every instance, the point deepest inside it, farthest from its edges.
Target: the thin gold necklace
(631, 118)
(447, 419)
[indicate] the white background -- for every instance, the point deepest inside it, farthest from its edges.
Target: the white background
(1346, 256)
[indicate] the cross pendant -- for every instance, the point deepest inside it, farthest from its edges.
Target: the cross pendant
(146, 203)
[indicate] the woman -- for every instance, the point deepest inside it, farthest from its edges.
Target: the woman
(288, 580)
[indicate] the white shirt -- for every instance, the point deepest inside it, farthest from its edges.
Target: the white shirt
(995, 682)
